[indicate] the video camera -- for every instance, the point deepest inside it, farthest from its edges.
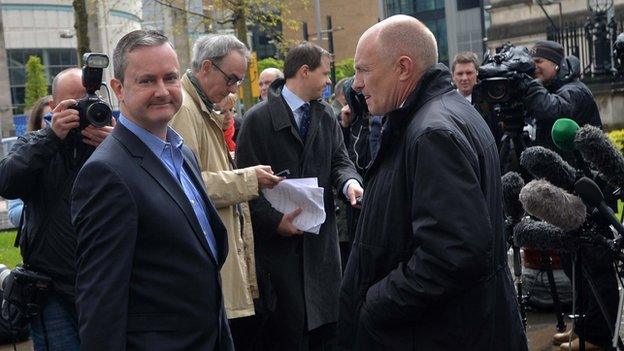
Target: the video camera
(499, 74)
(91, 108)
(500, 78)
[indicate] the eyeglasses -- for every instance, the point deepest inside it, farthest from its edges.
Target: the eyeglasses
(230, 79)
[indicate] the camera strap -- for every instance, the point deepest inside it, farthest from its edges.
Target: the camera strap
(18, 236)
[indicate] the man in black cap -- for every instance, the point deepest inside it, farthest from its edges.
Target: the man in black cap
(557, 92)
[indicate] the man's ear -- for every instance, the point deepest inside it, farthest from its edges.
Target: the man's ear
(303, 71)
(117, 87)
(405, 65)
(206, 66)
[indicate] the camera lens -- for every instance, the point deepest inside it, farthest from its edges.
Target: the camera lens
(4, 273)
(99, 114)
(497, 91)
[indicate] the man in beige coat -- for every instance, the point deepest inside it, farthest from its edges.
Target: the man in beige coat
(218, 67)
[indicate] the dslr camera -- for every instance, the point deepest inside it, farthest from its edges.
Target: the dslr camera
(91, 108)
(24, 292)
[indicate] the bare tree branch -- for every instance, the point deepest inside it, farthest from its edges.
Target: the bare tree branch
(184, 10)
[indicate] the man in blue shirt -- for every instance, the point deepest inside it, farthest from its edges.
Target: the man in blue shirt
(150, 243)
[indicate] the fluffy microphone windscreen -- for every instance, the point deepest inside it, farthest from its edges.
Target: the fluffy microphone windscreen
(597, 149)
(563, 133)
(543, 236)
(553, 205)
(512, 184)
(543, 163)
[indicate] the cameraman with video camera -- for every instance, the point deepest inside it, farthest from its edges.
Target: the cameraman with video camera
(556, 92)
(40, 169)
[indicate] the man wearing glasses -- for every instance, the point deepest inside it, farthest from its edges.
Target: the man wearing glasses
(218, 68)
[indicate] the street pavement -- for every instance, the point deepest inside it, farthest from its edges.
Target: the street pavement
(540, 329)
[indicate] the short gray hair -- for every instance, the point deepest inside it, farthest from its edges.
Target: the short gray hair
(214, 47)
(131, 41)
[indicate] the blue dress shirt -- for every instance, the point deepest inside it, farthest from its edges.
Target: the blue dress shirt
(295, 103)
(170, 154)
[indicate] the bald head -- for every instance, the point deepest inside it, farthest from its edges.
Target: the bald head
(67, 84)
(267, 77)
(390, 59)
(403, 35)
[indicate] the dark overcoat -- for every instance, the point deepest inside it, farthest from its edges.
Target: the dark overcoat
(428, 269)
(269, 137)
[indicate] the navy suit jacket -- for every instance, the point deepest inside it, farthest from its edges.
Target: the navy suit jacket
(146, 279)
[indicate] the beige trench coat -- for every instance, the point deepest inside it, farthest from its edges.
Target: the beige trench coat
(227, 187)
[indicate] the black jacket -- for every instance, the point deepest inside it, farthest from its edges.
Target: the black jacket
(559, 99)
(40, 170)
(269, 137)
(428, 267)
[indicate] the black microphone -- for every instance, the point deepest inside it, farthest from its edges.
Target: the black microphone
(553, 205)
(597, 149)
(589, 191)
(512, 184)
(543, 236)
(543, 163)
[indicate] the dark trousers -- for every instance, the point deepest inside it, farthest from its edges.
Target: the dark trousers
(599, 264)
(245, 333)
(281, 313)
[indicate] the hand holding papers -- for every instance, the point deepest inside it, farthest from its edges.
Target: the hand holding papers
(303, 193)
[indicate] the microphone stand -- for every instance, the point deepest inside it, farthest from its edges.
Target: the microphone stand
(517, 266)
(546, 261)
(518, 279)
(601, 306)
(580, 317)
(618, 319)
(580, 267)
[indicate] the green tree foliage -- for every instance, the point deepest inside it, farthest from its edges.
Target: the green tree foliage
(36, 82)
(270, 62)
(344, 68)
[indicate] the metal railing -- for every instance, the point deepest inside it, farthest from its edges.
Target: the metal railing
(592, 42)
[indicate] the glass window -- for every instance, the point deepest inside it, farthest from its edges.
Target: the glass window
(467, 4)
(54, 60)
(429, 5)
(438, 28)
(17, 76)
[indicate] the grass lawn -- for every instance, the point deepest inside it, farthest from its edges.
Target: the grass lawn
(9, 255)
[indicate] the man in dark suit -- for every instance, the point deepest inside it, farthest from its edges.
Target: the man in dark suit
(295, 131)
(150, 243)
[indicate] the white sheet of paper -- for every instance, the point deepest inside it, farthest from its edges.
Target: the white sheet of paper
(299, 192)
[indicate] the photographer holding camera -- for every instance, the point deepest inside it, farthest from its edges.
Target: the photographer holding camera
(40, 169)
